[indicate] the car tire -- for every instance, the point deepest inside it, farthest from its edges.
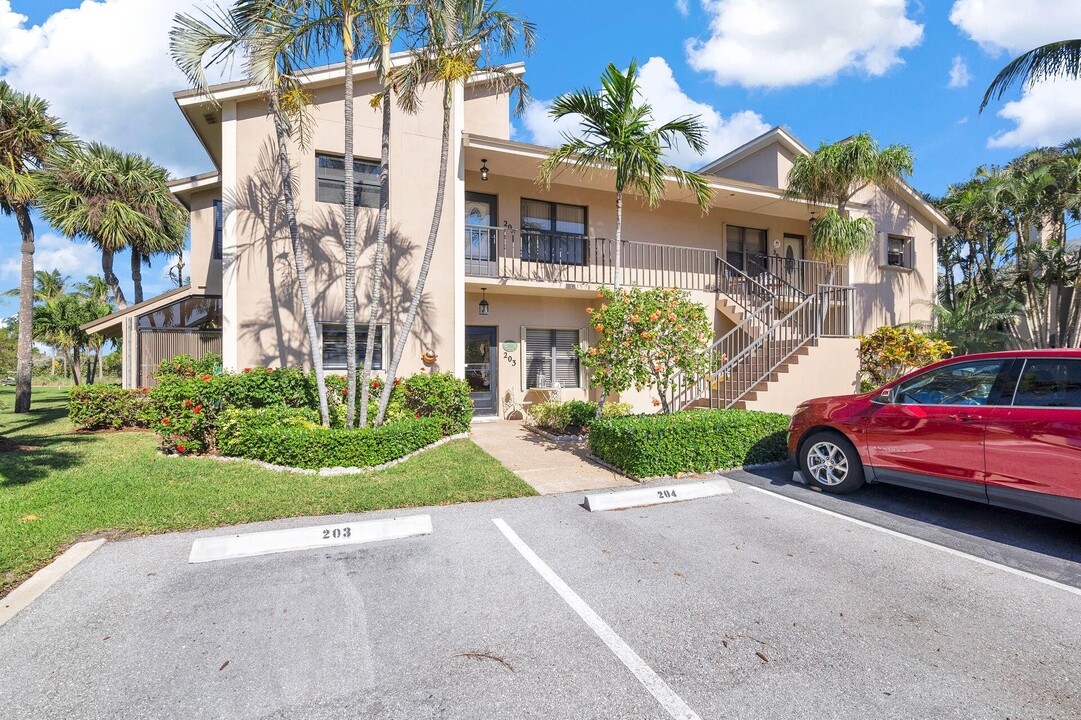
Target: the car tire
(831, 463)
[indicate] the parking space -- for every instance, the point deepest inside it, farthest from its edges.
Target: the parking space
(742, 606)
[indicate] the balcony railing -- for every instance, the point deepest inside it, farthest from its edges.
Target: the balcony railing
(804, 276)
(503, 252)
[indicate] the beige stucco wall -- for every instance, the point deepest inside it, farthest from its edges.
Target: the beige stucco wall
(270, 318)
(205, 271)
(487, 112)
(830, 368)
(889, 296)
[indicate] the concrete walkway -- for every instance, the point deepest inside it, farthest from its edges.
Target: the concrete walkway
(549, 466)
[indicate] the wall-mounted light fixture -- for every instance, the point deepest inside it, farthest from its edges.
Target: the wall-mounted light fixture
(484, 170)
(483, 302)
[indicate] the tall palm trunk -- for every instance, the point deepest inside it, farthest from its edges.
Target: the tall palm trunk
(25, 349)
(380, 243)
(286, 171)
(619, 236)
(75, 369)
(426, 263)
(111, 279)
(137, 274)
(350, 231)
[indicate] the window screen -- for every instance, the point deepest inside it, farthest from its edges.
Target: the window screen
(217, 230)
(330, 179)
(896, 251)
(548, 349)
(1050, 383)
(334, 352)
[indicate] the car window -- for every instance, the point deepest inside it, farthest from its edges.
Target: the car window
(1049, 383)
(968, 383)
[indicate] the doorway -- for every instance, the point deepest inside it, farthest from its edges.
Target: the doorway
(793, 253)
(481, 218)
(481, 371)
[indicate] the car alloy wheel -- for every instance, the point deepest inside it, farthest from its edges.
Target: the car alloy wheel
(827, 463)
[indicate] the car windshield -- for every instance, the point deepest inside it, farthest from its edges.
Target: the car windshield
(958, 384)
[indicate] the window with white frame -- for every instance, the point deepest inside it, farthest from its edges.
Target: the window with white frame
(551, 358)
(330, 180)
(334, 352)
(898, 251)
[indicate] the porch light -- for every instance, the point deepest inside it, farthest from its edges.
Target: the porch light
(483, 300)
(484, 178)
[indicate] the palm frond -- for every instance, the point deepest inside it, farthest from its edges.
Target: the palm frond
(1057, 59)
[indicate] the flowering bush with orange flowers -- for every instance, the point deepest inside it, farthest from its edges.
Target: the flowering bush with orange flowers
(647, 338)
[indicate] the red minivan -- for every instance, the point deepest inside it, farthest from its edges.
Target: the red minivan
(999, 428)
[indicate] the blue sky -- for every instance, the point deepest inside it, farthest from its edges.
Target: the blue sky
(907, 72)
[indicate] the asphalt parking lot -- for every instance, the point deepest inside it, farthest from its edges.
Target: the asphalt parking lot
(742, 606)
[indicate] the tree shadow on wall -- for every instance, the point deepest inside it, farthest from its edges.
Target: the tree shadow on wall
(274, 331)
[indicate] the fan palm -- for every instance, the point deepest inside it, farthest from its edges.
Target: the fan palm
(28, 134)
(831, 176)
(263, 32)
(115, 200)
(59, 323)
(618, 134)
(48, 286)
(1054, 60)
(457, 41)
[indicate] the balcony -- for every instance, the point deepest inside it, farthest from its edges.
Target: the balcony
(545, 257)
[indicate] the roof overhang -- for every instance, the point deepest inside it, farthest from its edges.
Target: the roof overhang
(112, 325)
(202, 109)
(522, 160)
(184, 188)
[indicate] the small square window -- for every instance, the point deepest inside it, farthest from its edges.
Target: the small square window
(897, 254)
(334, 352)
(330, 181)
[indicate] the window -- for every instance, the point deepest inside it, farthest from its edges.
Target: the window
(968, 383)
(897, 251)
(334, 353)
(742, 246)
(217, 230)
(548, 349)
(1050, 383)
(330, 181)
(193, 313)
(554, 233)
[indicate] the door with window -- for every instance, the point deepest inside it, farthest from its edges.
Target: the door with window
(1034, 446)
(480, 370)
(481, 231)
(930, 435)
(792, 249)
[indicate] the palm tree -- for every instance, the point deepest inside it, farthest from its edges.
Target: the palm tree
(48, 286)
(1057, 59)
(831, 176)
(263, 32)
(28, 134)
(59, 323)
(456, 42)
(96, 292)
(618, 133)
(116, 200)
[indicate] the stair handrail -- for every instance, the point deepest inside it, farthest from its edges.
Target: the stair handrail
(745, 290)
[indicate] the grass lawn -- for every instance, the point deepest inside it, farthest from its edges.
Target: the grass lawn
(77, 484)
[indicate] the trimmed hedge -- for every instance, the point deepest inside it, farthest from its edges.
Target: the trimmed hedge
(285, 437)
(97, 407)
(691, 441)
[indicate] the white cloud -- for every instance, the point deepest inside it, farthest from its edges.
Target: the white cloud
(54, 252)
(104, 67)
(1016, 27)
(660, 88)
(1047, 114)
(682, 8)
(959, 75)
(781, 43)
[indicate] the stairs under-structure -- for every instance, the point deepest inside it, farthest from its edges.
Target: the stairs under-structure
(777, 324)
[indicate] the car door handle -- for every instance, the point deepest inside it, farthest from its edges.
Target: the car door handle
(965, 418)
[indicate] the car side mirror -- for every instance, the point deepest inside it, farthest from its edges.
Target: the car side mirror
(883, 398)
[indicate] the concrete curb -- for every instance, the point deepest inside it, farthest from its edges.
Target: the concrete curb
(44, 578)
(323, 472)
(688, 476)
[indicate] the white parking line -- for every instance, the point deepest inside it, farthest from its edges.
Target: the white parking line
(921, 541)
(657, 688)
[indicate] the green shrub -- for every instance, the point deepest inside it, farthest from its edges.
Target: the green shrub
(573, 416)
(186, 366)
(297, 441)
(692, 441)
(96, 407)
(435, 394)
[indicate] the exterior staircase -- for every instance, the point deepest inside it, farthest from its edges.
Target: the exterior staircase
(777, 323)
